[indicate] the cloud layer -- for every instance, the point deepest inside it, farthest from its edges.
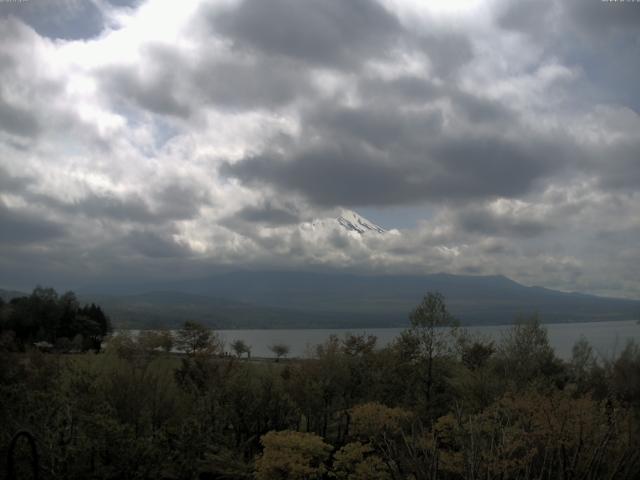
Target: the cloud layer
(152, 139)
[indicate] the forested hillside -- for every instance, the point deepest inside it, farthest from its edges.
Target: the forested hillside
(272, 299)
(435, 404)
(52, 321)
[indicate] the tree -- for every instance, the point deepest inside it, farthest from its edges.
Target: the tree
(476, 354)
(384, 429)
(373, 421)
(94, 312)
(196, 338)
(45, 316)
(355, 345)
(280, 350)
(538, 435)
(123, 345)
(70, 307)
(583, 365)
(525, 353)
(431, 327)
(292, 456)
(240, 348)
(153, 340)
(355, 461)
(624, 374)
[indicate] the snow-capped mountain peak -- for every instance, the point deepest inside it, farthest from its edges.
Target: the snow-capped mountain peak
(355, 223)
(349, 221)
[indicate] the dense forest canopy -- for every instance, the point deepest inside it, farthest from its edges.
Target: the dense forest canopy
(52, 321)
(434, 404)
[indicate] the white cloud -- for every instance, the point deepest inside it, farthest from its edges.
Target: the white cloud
(121, 138)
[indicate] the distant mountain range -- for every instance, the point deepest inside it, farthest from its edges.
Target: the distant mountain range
(275, 299)
(272, 299)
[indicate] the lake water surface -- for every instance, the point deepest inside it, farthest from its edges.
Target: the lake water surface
(607, 338)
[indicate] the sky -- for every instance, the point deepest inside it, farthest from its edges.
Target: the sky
(158, 139)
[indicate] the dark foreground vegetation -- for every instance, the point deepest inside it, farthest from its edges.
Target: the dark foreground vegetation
(435, 404)
(52, 322)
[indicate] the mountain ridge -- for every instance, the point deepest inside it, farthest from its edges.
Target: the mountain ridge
(288, 299)
(348, 299)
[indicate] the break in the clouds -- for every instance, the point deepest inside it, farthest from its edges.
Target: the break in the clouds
(154, 139)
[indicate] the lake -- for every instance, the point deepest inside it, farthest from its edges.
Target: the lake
(607, 338)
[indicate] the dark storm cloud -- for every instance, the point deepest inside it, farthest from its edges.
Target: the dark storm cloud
(156, 93)
(180, 200)
(276, 45)
(594, 17)
(406, 88)
(125, 3)
(58, 19)
(20, 227)
(481, 110)
(621, 166)
(14, 118)
(594, 20)
(169, 85)
(387, 151)
(601, 37)
(529, 16)
(327, 32)
(13, 184)
(154, 244)
(490, 166)
(129, 208)
(171, 201)
(447, 51)
(175, 201)
(485, 222)
(250, 83)
(17, 120)
(371, 156)
(329, 175)
(267, 213)
(382, 128)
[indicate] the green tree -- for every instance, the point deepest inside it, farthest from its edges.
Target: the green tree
(624, 373)
(195, 338)
(280, 350)
(476, 354)
(432, 328)
(358, 345)
(240, 347)
(155, 340)
(525, 353)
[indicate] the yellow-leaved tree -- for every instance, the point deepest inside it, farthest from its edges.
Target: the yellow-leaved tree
(293, 456)
(356, 461)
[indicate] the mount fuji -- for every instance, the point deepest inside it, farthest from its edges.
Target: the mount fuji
(350, 221)
(355, 223)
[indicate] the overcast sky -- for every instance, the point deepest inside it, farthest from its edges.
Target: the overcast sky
(169, 139)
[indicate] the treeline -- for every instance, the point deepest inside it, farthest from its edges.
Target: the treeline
(52, 322)
(437, 403)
